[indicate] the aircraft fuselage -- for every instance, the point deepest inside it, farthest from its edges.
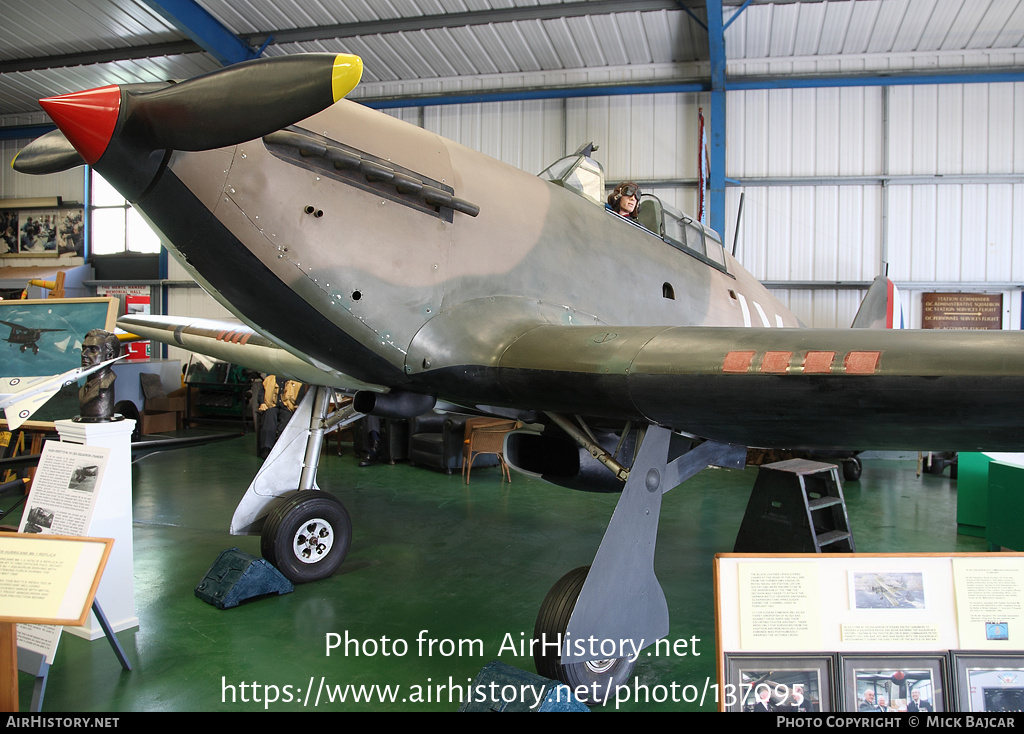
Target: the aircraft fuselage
(382, 286)
(380, 250)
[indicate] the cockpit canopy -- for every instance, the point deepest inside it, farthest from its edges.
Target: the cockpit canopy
(585, 176)
(578, 172)
(680, 231)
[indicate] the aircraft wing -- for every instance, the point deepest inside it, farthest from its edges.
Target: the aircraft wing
(25, 400)
(780, 388)
(237, 343)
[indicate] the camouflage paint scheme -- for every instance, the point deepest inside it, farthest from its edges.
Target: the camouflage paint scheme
(545, 301)
(380, 255)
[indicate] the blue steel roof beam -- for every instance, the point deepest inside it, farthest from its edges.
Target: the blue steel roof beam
(991, 76)
(736, 15)
(521, 95)
(733, 83)
(26, 132)
(716, 141)
(698, 21)
(985, 75)
(212, 36)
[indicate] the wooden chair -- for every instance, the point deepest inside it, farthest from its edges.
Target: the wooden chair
(486, 436)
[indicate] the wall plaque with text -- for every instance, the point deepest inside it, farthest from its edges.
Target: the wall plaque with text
(962, 310)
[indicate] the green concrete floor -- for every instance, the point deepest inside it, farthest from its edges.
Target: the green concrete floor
(430, 557)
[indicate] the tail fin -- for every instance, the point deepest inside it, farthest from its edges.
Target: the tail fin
(882, 307)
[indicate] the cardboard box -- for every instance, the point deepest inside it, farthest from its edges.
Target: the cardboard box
(175, 401)
(159, 421)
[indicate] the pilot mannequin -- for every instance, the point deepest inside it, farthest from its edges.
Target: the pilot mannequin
(624, 200)
(277, 407)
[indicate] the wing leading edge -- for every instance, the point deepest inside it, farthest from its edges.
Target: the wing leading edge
(782, 388)
(239, 344)
(773, 388)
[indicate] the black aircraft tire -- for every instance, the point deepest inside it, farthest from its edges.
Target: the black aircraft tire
(307, 535)
(599, 677)
(852, 469)
(128, 410)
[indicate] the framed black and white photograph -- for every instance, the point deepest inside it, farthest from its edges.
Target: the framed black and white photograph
(768, 683)
(894, 683)
(989, 681)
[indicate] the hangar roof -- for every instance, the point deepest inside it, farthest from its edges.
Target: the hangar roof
(50, 47)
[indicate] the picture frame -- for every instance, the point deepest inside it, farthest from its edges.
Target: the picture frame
(60, 582)
(747, 675)
(989, 681)
(47, 232)
(42, 337)
(873, 681)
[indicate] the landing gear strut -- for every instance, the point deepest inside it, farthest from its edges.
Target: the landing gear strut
(578, 606)
(305, 533)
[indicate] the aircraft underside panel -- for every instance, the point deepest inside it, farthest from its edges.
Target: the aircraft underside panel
(778, 388)
(775, 412)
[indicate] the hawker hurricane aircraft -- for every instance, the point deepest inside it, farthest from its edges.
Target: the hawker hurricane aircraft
(366, 254)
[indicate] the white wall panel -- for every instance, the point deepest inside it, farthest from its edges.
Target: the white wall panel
(934, 232)
(998, 244)
(189, 301)
(1016, 243)
(804, 132)
(947, 233)
(963, 206)
(809, 232)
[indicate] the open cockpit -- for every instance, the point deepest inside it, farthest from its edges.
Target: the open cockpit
(584, 176)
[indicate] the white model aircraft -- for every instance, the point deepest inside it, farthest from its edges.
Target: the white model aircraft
(20, 397)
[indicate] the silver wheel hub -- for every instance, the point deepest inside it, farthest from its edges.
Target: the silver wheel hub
(313, 540)
(601, 666)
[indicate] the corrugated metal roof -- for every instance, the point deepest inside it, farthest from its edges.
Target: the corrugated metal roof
(875, 27)
(53, 46)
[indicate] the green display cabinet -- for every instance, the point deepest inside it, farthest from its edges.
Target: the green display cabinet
(972, 494)
(1005, 505)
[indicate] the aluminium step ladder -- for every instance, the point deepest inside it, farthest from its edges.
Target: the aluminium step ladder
(796, 506)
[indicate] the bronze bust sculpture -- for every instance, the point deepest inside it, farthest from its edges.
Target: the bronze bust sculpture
(96, 399)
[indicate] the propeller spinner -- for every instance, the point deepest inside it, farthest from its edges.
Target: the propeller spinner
(225, 107)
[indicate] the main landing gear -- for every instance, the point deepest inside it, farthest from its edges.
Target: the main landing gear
(307, 535)
(306, 532)
(577, 622)
(598, 677)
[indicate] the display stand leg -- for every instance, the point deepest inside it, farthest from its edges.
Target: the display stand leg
(105, 626)
(35, 664)
(39, 689)
(8, 666)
